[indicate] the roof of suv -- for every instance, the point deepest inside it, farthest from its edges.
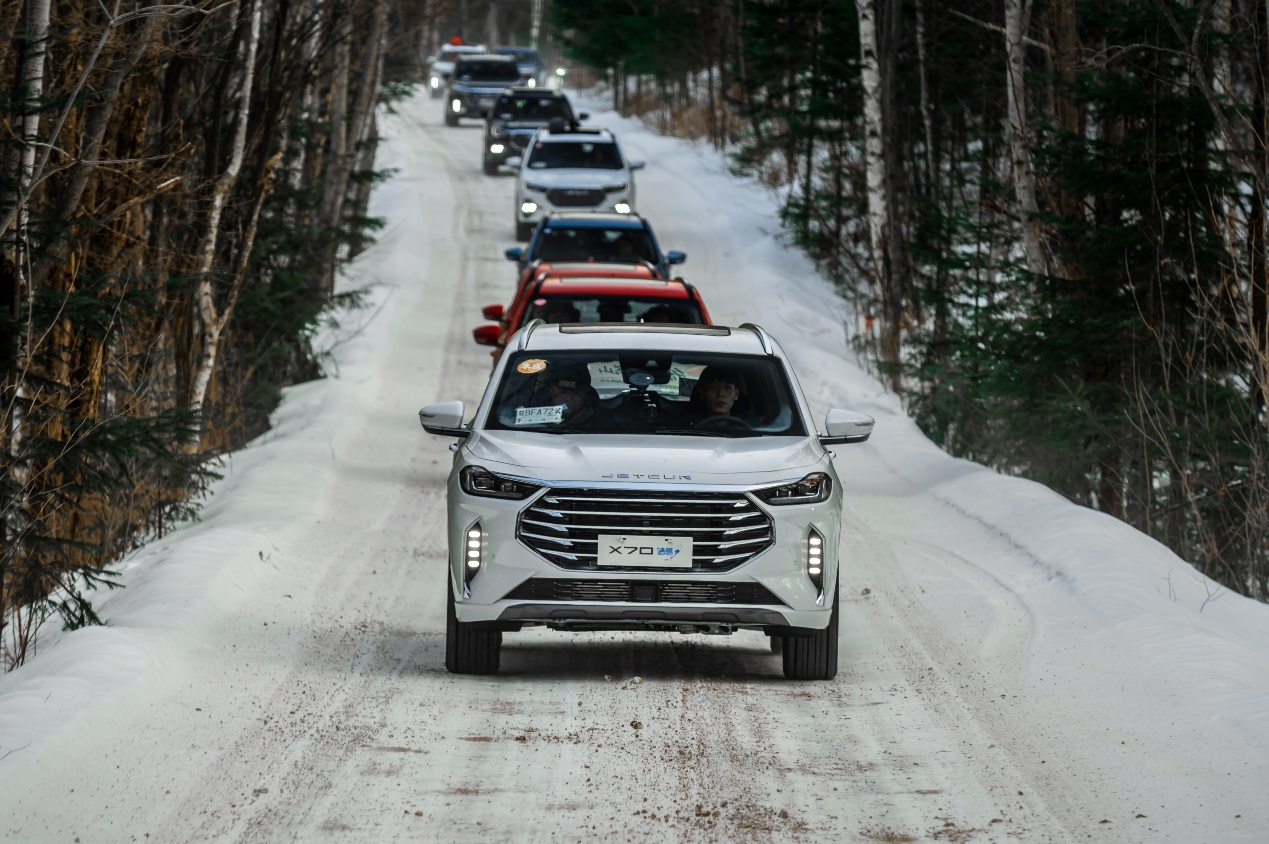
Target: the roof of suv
(747, 339)
(497, 58)
(594, 220)
(577, 134)
(661, 288)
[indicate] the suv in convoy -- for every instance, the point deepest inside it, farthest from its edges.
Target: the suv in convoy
(576, 168)
(643, 477)
(573, 293)
(593, 238)
(442, 65)
(475, 85)
(528, 62)
(517, 114)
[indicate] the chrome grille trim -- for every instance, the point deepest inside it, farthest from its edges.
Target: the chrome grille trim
(563, 525)
(643, 592)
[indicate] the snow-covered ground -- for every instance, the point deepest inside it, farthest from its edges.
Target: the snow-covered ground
(1013, 667)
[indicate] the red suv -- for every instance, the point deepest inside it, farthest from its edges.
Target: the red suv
(591, 293)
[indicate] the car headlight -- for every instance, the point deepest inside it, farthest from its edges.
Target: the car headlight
(622, 208)
(536, 188)
(616, 187)
(456, 106)
(477, 480)
(528, 207)
(812, 489)
(436, 83)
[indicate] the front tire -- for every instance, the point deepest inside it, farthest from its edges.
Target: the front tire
(491, 167)
(469, 650)
(813, 657)
(451, 119)
(524, 231)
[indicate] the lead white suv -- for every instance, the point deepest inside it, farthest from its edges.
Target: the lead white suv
(643, 477)
(571, 169)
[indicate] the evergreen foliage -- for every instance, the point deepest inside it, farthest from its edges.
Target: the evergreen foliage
(1073, 290)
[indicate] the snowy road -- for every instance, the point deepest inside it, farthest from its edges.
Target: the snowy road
(1013, 668)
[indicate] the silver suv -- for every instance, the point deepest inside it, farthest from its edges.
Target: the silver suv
(643, 477)
(571, 169)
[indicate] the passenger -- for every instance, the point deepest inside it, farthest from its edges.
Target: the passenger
(559, 312)
(664, 313)
(570, 386)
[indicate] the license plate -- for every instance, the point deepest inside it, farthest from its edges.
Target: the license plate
(661, 552)
(486, 103)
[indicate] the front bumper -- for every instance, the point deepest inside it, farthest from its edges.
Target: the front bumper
(514, 584)
(621, 202)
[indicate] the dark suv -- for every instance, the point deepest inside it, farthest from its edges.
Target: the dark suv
(517, 114)
(594, 237)
(475, 85)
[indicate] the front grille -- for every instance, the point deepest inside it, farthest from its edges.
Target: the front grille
(575, 197)
(642, 592)
(563, 525)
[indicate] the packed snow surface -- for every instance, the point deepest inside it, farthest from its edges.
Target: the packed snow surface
(1014, 667)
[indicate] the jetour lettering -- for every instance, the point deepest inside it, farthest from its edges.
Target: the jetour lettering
(627, 476)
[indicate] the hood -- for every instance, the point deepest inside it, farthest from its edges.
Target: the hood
(607, 458)
(568, 177)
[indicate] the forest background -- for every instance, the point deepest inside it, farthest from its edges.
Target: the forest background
(179, 184)
(1050, 215)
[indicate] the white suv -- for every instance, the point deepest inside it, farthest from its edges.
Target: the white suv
(571, 169)
(643, 477)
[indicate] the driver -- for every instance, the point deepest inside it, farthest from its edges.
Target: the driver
(717, 393)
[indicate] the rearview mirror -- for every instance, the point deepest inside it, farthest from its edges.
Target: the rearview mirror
(514, 253)
(486, 335)
(846, 426)
(444, 418)
(492, 312)
(675, 257)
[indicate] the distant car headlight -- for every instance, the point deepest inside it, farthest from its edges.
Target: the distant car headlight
(622, 208)
(496, 149)
(528, 207)
(533, 83)
(536, 188)
(477, 480)
(435, 82)
(456, 106)
(812, 489)
(617, 187)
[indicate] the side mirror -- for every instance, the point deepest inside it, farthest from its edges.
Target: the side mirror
(638, 165)
(444, 418)
(486, 335)
(493, 312)
(583, 115)
(846, 426)
(514, 161)
(430, 59)
(514, 253)
(675, 257)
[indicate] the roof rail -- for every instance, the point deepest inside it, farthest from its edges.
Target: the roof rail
(528, 329)
(762, 336)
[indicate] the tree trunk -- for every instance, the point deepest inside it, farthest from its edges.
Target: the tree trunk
(212, 323)
(1019, 139)
(875, 167)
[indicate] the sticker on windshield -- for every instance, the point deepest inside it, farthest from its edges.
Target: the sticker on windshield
(540, 415)
(530, 366)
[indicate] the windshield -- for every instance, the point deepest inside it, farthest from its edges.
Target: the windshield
(486, 71)
(595, 155)
(607, 246)
(532, 108)
(645, 392)
(556, 308)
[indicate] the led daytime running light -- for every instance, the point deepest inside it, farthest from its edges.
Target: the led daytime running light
(812, 489)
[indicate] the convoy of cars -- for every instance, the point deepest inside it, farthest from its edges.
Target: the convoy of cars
(630, 466)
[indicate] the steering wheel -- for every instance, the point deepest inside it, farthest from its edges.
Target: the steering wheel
(723, 422)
